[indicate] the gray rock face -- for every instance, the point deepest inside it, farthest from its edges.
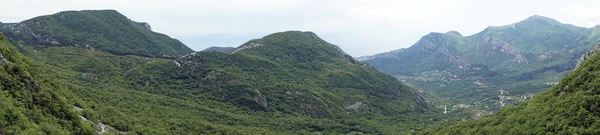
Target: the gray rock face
(146, 26)
(434, 43)
(246, 46)
(355, 107)
(453, 58)
(43, 39)
(588, 55)
(2, 59)
(544, 57)
(167, 56)
(504, 47)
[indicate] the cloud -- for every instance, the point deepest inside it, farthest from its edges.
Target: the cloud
(360, 27)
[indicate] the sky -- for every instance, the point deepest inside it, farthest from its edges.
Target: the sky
(359, 27)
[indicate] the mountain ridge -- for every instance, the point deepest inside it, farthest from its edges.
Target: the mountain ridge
(522, 58)
(289, 82)
(103, 30)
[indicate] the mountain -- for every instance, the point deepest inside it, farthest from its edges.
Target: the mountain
(103, 30)
(499, 66)
(299, 66)
(284, 83)
(570, 107)
(31, 103)
(219, 49)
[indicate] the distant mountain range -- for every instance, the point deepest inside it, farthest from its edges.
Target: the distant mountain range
(219, 49)
(495, 67)
(98, 72)
(31, 103)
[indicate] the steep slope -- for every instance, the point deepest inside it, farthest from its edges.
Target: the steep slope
(435, 51)
(284, 83)
(488, 70)
(104, 30)
(30, 103)
(330, 79)
(571, 107)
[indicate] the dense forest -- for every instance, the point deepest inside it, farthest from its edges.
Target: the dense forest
(284, 83)
(32, 103)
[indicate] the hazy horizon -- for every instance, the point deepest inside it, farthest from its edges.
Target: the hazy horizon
(358, 27)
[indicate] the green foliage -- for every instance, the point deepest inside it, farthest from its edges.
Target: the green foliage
(294, 83)
(31, 103)
(105, 30)
(571, 107)
(521, 58)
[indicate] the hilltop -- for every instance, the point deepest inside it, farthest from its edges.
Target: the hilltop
(96, 30)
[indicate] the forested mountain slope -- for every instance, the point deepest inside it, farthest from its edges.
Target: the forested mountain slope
(102, 30)
(32, 103)
(284, 83)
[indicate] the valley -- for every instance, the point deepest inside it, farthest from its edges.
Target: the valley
(99, 72)
(289, 82)
(499, 66)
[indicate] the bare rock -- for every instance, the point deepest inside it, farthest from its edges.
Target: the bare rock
(3, 59)
(478, 115)
(587, 55)
(145, 25)
(90, 75)
(246, 46)
(355, 107)
(545, 56)
(506, 48)
(90, 47)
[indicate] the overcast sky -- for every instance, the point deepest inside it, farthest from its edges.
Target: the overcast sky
(360, 27)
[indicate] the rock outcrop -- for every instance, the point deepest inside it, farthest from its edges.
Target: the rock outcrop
(246, 46)
(587, 55)
(145, 25)
(504, 47)
(219, 49)
(544, 57)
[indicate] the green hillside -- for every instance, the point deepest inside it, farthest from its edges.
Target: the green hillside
(103, 30)
(219, 49)
(571, 107)
(284, 83)
(499, 66)
(32, 103)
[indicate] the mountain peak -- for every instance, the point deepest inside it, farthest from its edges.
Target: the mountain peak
(537, 19)
(456, 33)
(295, 44)
(103, 30)
(92, 11)
(295, 34)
